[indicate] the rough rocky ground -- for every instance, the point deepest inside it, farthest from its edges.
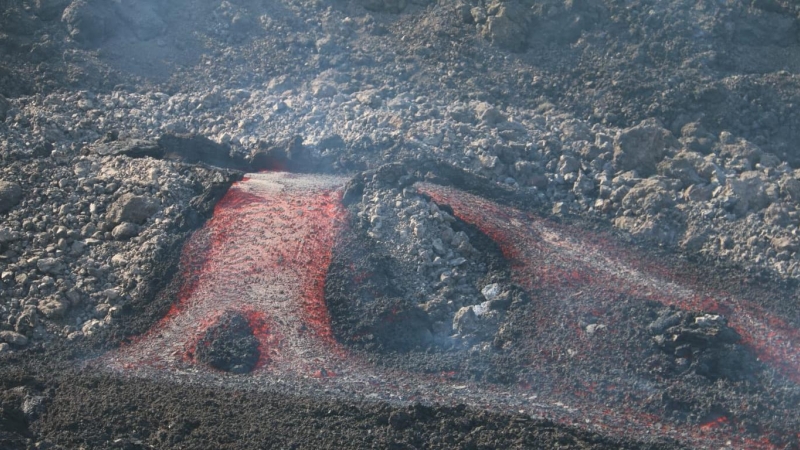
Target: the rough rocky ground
(121, 123)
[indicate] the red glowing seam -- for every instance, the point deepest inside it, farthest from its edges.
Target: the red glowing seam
(714, 423)
(269, 341)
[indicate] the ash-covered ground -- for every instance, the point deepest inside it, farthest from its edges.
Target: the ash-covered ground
(669, 127)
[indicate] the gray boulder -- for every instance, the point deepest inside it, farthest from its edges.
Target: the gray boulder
(683, 167)
(790, 188)
(13, 338)
(741, 151)
(785, 244)
(142, 19)
(392, 6)
(649, 196)
(125, 230)
(49, 9)
(507, 24)
(488, 114)
(131, 208)
(49, 265)
(88, 22)
(465, 321)
(747, 193)
(642, 147)
(53, 308)
(10, 195)
(4, 107)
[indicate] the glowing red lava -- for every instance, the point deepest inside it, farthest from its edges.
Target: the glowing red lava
(265, 254)
(580, 261)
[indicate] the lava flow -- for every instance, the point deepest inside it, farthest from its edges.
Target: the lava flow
(263, 255)
(261, 263)
(555, 258)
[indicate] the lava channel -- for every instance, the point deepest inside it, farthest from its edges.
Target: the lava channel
(262, 260)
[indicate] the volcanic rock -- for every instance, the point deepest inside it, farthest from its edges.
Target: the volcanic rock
(747, 193)
(642, 147)
(53, 308)
(683, 167)
(50, 265)
(741, 151)
(694, 238)
(50, 9)
(506, 25)
(698, 193)
(193, 148)
(790, 188)
(392, 6)
(786, 244)
(92, 326)
(695, 138)
(88, 22)
(5, 105)
(125, 230)
(131, 208)
(777, 214)
(27, 320)
(290, 154)
(229, 345)
(649, 196)
(488, 114)
(10, 195)
(134, 148)
(568, 164)
(465, 321)
(491, 291)
(706, 341)
(13, 338)
(142, 19)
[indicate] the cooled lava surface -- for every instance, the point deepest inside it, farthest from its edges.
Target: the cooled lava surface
(606, 339)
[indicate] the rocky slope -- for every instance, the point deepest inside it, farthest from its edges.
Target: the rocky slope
(121, 123)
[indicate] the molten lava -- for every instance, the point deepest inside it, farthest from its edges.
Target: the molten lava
(265, 254)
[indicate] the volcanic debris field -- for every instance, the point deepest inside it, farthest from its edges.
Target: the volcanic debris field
(399, 224)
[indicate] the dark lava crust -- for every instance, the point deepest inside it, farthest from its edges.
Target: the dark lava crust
(88, 410)
(229, 345)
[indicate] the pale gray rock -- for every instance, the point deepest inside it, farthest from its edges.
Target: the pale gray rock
(52, 266)
(13, 338)
(53, 308)
(507, 26)
(465, 321)
(10, 195)
(124, 231)
(5, 105)
(88, 23)
(649, 196)
(747, 193)
(642, 147)
(790, 188)
(131, 208)
(488, 114)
